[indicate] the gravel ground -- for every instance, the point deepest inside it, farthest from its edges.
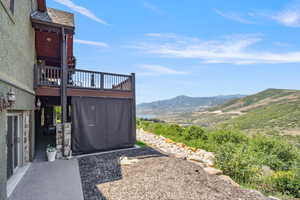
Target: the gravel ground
(155, 176)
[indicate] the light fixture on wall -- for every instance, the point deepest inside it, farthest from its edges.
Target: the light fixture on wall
(49, 39)
(8, 100)
(11, 97)
(38, 104)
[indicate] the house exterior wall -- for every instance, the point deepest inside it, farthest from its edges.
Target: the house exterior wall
(17, 59)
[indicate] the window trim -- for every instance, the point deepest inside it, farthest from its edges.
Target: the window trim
(8, 10)
(12, 6)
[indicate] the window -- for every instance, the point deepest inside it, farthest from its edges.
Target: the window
(10, 4)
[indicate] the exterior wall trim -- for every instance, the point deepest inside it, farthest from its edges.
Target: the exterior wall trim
(8, 12)
(15, 83)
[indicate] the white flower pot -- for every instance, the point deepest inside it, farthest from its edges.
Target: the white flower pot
(51, 156)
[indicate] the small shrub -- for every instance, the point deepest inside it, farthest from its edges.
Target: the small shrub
(227, 136)
(277, 154)
(194, 132)
(287, 182)
(238, 162)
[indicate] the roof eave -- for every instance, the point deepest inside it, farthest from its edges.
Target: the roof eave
(55, 25)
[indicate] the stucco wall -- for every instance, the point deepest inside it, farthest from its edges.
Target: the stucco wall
(17, 58)
(17, 43)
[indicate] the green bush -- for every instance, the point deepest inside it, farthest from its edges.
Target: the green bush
(194, 132)
(173, 129)
(238, 162)
(278, 154)
(287, 182)
(227, 136)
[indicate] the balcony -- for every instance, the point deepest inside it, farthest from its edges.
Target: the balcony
(82, 82)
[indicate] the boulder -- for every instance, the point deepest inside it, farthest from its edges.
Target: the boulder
(195, 158)
(181, 145)
(213, 171)
(273, 198)
(126, 161)
(169, 141)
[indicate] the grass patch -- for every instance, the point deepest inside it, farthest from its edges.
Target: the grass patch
(141, 144)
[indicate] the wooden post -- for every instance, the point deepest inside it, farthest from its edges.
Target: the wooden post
(133, 106)
(35, 78)
(64, 76)
(101, 80)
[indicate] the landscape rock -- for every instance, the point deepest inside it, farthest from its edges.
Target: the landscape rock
(213, 171)
(126, 161)
(179, 150)
(169, 141)
(196, 158)
(273, 198)
(267, 171)
(229, 180)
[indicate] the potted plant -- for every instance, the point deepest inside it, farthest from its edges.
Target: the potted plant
(51, 152)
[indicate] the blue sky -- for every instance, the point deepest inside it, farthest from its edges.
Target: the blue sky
(190, 47)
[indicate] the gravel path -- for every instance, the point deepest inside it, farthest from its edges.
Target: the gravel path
(155, 176)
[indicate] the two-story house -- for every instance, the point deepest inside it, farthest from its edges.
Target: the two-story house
(39, 80)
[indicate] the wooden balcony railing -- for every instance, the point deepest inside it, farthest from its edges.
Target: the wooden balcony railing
(83, 79)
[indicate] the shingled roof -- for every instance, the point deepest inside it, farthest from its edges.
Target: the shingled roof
(54, 16)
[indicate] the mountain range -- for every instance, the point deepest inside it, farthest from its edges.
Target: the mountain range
(272, 109)
(183, 103)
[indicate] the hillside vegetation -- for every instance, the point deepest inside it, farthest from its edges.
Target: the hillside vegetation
(256, 138)
(261, 99)
(276, 109)
(268, 164)
(283, 115)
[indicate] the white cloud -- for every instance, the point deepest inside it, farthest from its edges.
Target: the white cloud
(152, 7)
(93, 43)
(288, 17)
(159, 70)
(234, 16)
(237, 49)
(82, 10)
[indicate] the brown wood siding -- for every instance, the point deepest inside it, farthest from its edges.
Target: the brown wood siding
(70, 49)
(47, 44)
(48, 48)
(41, 5)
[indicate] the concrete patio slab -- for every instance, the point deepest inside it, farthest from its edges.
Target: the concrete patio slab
(59, 180)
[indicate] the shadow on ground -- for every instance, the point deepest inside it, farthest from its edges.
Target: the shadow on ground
(103, 168)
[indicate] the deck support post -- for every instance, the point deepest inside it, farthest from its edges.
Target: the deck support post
(133, 105)
(64, 77)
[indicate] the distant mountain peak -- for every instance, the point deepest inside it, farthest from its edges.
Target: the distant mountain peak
(183, 103)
